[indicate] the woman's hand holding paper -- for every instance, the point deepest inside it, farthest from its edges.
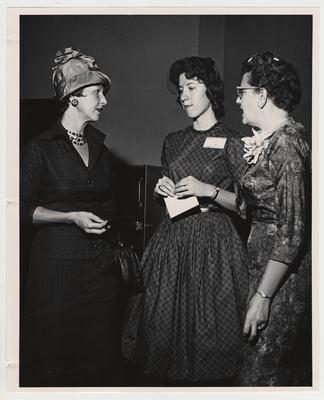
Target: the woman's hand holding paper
(165, 187)
(190, 186)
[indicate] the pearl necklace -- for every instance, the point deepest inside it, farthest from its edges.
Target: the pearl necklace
(77, 138)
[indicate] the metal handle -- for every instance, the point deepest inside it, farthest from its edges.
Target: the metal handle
(140, 193)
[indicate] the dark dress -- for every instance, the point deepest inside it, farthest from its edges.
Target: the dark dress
(187, 325)
(71, 326)
(276, 190)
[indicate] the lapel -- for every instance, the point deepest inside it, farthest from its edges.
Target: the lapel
(95, 143)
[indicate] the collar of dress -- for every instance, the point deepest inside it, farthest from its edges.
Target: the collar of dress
(256, 144)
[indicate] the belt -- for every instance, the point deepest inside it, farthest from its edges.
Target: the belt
(210, 209)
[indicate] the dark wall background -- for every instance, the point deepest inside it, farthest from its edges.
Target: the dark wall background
(286, 36)
(137, 51)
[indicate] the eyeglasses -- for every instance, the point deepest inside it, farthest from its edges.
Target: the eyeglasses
(240, 90)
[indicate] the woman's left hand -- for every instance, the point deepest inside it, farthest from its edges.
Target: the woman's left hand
(190, 186)
(257, 317)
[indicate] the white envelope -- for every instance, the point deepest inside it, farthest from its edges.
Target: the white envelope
(176, 206)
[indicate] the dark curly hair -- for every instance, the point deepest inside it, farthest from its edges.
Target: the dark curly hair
(205, 71)
(277, 76)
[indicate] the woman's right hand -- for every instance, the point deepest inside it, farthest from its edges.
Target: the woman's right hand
(165, 187)
(89, 222)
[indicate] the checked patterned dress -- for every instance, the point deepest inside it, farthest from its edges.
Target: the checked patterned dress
(187, 325)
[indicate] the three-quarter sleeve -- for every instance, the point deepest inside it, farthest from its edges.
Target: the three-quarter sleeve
(164, 160)
(30, 181)
(164, 171)
(291, 202)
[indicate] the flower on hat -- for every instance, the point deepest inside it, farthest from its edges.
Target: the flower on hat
(73, 70)
(68, 54)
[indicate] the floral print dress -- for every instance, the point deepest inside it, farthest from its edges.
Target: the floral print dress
(277, 192)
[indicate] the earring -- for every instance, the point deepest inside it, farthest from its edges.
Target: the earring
(74, 102)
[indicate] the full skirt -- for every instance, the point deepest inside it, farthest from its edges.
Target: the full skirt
(187, 325)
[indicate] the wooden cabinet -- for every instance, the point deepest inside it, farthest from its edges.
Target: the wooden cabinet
(138, 212)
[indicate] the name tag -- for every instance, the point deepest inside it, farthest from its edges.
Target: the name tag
(215, 142)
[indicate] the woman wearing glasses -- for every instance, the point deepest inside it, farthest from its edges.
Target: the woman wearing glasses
(275, 192)
(187, 326)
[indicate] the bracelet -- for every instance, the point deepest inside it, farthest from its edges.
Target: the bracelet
(217, 190)
(262, 294)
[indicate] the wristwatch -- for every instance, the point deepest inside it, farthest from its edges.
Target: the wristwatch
(263, 295)
(214, 197)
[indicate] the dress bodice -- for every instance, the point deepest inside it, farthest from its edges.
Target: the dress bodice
(184, 154)
(277, 191)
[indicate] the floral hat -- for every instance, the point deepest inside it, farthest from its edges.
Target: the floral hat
(74, 70)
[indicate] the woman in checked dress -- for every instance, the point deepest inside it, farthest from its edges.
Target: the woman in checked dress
(187, 325)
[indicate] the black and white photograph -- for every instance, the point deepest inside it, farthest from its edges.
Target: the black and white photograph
(164, 214)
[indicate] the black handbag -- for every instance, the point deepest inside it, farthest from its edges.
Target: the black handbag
(129, 267)
(120, 260)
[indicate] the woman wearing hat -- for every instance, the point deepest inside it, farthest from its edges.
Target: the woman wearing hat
(71, 320)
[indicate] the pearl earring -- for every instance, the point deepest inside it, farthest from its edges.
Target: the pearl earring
(74, 102)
